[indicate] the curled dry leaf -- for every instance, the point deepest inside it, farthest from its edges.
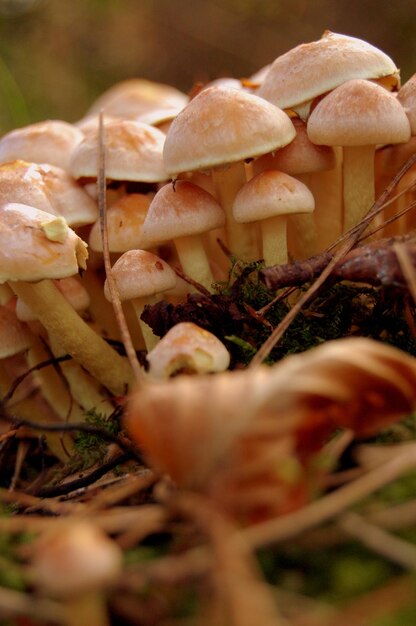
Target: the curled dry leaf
(246, 437)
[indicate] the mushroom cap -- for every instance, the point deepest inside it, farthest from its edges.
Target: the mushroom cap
(188, 347)
(14, 336)
(407, 98)
(35, 245)
(271, 193)
(50, 141)
(312, 69)
(133, 152)
(358, 113)
(130, 98)
(75, 558)
(48, 188)
(138, 274)
(125, 218)
(223, 126)
(180, 210)
(300, 156)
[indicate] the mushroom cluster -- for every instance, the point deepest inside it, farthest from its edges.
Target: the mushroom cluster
(277, 167)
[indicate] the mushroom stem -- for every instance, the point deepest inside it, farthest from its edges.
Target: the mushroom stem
(302, 231)
(241, 238)
(194, 259)
(358, 183)
(273, 231)
(75, 336)
(138, 304)
(87, 608)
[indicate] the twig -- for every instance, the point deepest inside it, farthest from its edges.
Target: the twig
(377, 539)
(376, 263)
(292, 524)
(115, 298)
(79, 483)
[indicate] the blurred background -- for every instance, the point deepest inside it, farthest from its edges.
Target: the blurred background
(56, 56)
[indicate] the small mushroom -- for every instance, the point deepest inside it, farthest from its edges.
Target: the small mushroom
(187, 348)
(139, 277)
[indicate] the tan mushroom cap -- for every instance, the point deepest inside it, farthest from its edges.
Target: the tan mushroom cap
(35, 245)
(358, 113)
(181, 210)
(130, 98)
(14, 336)
(272, 193)
(312, 69)
(300, 156)
(223, 126)
(75, 559)
(125, 219)
(138, 274)
(407, 98)
(133, 152)
(187, 347)
(50, 141)
(48, 188)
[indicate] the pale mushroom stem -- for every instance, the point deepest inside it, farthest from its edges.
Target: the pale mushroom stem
(84, 389)
(358, 183)
(326, 188)
(75, 336)
(302, 230)
(273, 231)
(89, 608)
(138, 304)
(194, 259)
(241, 238)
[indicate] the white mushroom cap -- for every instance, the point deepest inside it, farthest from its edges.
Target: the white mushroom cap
(223, 126)
(35, 245)
(272, 193)
(139, 274)
(181, 210)
(133, 152)
(312, 69)
(187, 347)
(50, 141)
(130, 98)
(358, 113)
(48, 188)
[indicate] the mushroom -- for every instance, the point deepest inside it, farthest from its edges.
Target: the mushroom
(312, 69)
(187, 348)
(125, 219)
(139, 277)
(358, 115)
(308, 233)
(182, 213)
(44, 248)
(75, 563)
(50, 141)
(269, 198)
(48, 188)
(217, 131)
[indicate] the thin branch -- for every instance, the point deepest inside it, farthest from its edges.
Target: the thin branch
(115, 298)
(407, 263)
